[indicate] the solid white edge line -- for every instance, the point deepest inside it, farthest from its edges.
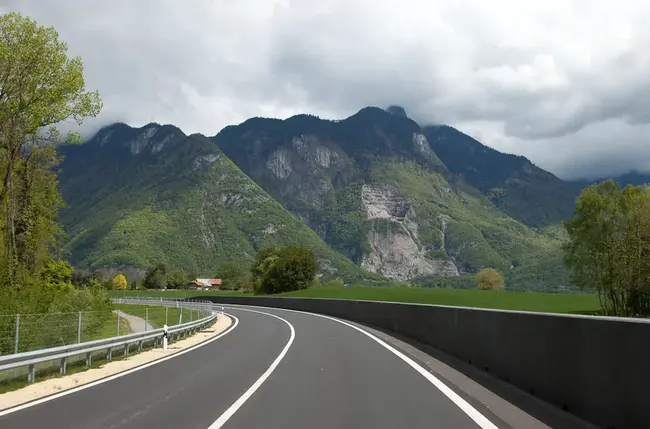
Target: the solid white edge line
(120, 374)
(461, 403)
(251, 390)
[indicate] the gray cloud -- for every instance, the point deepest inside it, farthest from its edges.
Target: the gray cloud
(564, 82)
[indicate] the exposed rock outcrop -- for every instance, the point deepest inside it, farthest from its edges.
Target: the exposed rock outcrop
(396, 250)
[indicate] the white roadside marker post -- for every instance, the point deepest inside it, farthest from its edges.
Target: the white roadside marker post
(165, 338)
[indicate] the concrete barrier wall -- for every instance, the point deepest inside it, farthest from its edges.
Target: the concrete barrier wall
(596, 368)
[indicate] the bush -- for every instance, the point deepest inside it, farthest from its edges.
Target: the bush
(489, 279)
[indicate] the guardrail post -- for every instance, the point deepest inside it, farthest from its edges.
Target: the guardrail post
(146, 319)
(118, 323)
(79, 328)
(17, 339)
(31, 375)
(109, 355)
(64, 365)
(89, 359)
(181, 318)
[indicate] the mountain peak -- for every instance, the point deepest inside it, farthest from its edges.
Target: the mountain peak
(397, 111)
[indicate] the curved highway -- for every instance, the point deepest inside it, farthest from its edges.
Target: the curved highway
(272, 369)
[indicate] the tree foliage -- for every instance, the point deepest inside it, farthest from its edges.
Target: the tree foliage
(232, 275)
(609, 246)
(156, 277)
(283, 269)
(119, 282)
(58, 276)
(40, 86)
(489, 279)
(178, 279)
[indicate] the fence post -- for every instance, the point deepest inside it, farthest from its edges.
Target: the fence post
(16, 341)
(79, 328)
(118, 323)
(146, 319)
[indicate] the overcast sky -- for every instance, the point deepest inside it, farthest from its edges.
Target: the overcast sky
(563, 82)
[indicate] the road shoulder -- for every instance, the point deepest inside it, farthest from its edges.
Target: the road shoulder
(52, 386)
(507, 405)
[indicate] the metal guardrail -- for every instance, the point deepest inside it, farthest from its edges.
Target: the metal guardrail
(63, 353)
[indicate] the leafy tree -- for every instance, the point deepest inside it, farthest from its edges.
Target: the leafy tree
(609, 246)
(178, 279)
(489, 279)
(264, 259)
(119, 281)
(231, 274)
(156, 277)
(40, 86)
(286, 269)
(58, 276)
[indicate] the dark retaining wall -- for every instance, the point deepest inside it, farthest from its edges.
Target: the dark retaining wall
(594, 367)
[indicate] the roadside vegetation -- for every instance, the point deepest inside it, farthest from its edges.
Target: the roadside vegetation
(609, 246)
(40, 87)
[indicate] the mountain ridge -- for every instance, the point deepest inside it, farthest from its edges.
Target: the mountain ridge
(343, 178)
(375, 189)
(136, 198)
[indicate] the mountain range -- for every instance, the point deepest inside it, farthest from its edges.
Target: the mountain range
(377, 196)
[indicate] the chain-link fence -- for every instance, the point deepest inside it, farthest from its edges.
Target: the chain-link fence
(26, 332)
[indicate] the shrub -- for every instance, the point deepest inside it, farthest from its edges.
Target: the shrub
(489, 279)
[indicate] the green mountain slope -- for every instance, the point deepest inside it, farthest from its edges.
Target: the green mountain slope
(136, 197)
(513, 183)
(372, 187)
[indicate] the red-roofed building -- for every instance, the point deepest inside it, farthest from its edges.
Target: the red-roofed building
(207, 283)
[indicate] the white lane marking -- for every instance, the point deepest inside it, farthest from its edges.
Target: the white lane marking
(465, 406)
(121, 374)
(251, 390)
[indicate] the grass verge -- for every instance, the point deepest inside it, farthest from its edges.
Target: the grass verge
(503, 300)
(156, 315)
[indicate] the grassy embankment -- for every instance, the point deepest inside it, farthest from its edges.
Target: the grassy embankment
(15, 379)
(505, 300)
(156, 314)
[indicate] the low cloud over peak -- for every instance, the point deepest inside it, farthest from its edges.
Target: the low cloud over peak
(564, 82)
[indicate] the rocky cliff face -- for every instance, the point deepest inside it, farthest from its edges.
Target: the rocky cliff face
(396, 249)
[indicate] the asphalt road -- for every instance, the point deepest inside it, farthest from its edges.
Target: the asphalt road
(301, 372)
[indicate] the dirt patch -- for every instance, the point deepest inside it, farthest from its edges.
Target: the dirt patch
(51, 386)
